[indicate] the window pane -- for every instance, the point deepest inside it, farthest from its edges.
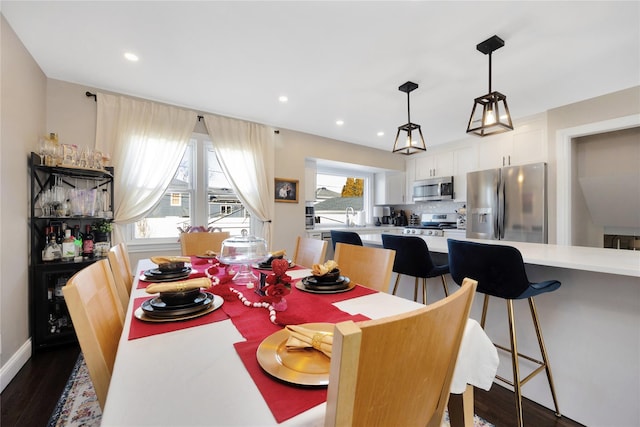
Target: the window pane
(226, 212)
(172, 212)
(183, 178)
(335, 193)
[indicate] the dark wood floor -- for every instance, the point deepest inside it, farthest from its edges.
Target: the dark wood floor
(31, 397)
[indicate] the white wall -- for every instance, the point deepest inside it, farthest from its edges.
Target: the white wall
(22, 114)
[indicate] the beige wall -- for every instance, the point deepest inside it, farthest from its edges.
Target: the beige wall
(22, 114)
(607, 107)
(292, 148)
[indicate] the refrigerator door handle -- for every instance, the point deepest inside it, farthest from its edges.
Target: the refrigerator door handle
(501, 210)
(496, 215)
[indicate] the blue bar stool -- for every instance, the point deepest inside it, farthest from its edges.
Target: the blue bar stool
(349, 237)
(500, 272)
(414, 259)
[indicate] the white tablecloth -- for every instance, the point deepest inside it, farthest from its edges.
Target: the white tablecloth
(195, 377)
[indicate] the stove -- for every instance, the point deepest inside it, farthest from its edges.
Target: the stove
(433, 225)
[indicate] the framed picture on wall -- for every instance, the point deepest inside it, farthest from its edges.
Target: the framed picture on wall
(286, 190)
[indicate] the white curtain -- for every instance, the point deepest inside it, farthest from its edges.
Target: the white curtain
(245, 152)
(146, 141)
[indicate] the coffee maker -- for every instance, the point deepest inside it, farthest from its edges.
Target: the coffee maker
(387, 214)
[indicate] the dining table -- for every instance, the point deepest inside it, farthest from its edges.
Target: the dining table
(204, 370)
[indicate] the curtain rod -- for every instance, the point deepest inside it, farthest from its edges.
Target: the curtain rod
(95, 98)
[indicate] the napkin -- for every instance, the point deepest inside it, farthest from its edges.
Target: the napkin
(301, 338)
(322, 269)
(180, 286)
(166, 259)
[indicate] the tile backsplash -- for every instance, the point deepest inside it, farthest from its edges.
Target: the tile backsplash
(430, 207)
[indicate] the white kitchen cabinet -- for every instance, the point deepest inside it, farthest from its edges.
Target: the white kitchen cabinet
(434, 165)
(389, 188)
(410, 176)
(527, 143)
(464, 161)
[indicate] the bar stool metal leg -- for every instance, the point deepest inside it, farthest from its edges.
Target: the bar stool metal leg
(395, 287)
(444, 285)
(543, 351)
(517, 386)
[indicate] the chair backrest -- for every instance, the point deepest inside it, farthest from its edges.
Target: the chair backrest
(200, 242)
(98, 320)
(365, 265)
(397, 370)
(412, 254)
(349, 237)
(121, 267)
(309, 251)
(499, 269)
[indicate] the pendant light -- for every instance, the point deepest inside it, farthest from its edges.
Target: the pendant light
(490, 114)
(414, 141)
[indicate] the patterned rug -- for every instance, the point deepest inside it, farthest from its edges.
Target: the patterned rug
(78, 405)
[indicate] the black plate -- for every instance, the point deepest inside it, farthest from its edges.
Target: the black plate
(176, 312)
(156, 272)
(158, 304)
(314, 281)
(267, 266)
(311, 283)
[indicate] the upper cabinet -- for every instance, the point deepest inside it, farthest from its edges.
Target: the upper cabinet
(464, 161)
(434, 165)
(389, 188)
(527, 143)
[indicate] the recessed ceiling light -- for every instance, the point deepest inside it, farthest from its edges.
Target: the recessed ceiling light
(283, 98)
(131, 56)
(339, 122)
(380, 133)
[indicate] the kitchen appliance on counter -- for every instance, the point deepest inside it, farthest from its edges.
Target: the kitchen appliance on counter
(433, 189)
(400, 219)
(309, 216)
(433, 224)
(461, 222)
(387, 213)
(508, 203)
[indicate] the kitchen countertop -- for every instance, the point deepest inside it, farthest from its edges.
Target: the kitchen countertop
(601, 260)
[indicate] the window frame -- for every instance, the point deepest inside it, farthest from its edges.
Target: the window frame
(198, 189)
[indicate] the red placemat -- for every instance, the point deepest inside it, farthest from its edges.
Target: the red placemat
(284, 400)
(141, 329)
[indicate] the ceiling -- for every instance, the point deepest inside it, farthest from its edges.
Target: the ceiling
(338, 59)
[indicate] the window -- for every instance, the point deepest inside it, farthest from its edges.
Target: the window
(199, 195)
(337, 190)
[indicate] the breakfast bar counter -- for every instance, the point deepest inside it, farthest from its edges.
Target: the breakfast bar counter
(591, 327)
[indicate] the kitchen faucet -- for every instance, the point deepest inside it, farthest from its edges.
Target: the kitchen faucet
(353, 212)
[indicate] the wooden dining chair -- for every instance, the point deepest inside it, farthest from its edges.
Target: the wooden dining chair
(365, 265)
(198, 243)
(121, 268)
(98, 319)
(309, 251)
(397, 371)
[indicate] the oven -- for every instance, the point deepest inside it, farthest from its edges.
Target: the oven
(309, 216)
(433, 225)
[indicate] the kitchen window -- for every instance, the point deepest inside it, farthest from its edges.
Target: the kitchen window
(339, 189)
(198, 195)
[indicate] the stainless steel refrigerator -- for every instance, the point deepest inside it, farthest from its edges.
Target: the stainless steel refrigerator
(508, 203)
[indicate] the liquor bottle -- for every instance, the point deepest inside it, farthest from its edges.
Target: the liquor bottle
(68, 246)
(52, 251)
(78, 242)
(87, 243)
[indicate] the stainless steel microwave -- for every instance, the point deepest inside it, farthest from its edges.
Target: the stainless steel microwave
(433, 189)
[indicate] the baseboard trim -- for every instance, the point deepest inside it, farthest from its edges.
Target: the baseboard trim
(10, 369)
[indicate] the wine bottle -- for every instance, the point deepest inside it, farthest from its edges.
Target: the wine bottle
(87, 243)
(68, 246)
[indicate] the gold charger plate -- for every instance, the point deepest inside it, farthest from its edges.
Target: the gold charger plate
(302, 367)
(216, 304)
(300, 285)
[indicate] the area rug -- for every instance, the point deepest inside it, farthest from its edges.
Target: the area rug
(78, 405)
